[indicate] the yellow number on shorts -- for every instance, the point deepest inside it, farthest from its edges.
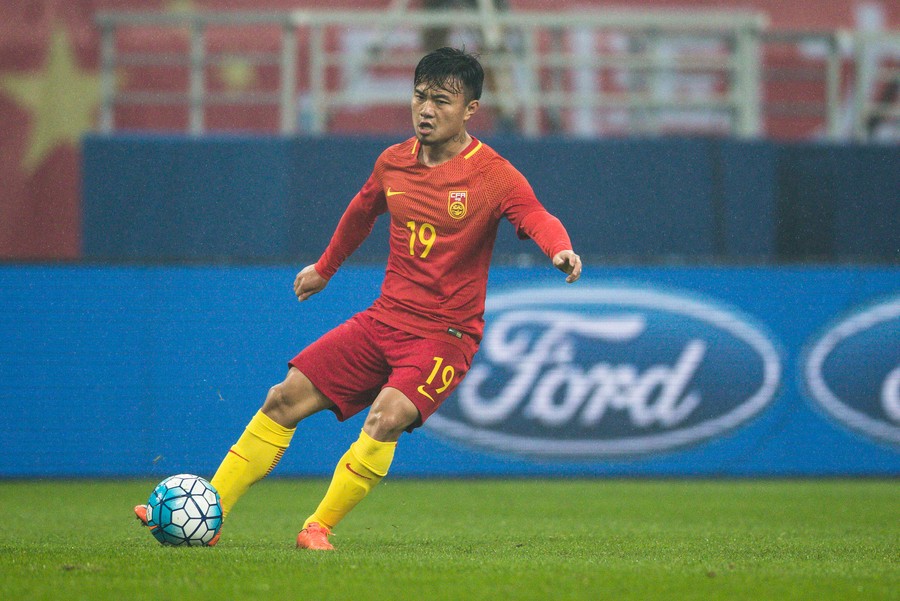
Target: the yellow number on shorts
(446, 377)
(426, 235)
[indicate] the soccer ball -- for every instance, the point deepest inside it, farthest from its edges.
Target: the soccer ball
(184, 510)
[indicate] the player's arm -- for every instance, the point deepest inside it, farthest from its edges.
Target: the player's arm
(533, 221)
(353, 228)
(551, 236)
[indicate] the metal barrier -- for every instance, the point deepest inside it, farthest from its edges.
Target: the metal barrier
(587, 73)
(859, 74)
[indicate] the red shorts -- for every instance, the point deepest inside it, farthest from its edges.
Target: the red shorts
(352, 363)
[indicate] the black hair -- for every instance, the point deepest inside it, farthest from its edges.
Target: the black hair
(449, 68)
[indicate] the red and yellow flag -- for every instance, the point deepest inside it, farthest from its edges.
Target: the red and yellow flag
(49, 96)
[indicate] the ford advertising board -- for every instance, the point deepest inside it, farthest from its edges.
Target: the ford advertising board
(632, 372)
(609, 371)
(853, 371)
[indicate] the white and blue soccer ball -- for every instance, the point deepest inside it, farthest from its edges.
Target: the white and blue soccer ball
(184, 510)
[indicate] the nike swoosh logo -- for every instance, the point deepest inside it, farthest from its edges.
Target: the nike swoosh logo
(393, 192)
(421, 390)
(353, 471)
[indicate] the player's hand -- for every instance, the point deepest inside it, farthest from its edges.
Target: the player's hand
(570, 263)
(308, 282)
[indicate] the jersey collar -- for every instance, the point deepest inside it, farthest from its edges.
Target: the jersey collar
(467, 153)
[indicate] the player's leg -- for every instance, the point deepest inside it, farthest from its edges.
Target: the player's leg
(363, 466)
(264, 441)
(267, 436)
(424, 373)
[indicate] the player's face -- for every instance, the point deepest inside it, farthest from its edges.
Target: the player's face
(439, 115)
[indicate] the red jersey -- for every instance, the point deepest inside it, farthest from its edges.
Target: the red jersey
(444, 221)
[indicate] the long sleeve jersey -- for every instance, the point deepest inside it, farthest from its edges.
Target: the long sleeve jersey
(444, 222)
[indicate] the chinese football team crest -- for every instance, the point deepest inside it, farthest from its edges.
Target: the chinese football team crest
(457, 206)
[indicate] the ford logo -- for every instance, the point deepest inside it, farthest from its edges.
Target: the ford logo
(853, 371)
(604, 372)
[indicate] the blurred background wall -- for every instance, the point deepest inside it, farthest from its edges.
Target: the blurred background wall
(51, 94)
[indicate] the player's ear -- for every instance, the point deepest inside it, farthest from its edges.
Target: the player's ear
(471, 109)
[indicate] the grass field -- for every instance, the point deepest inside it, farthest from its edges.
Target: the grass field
(470, 540)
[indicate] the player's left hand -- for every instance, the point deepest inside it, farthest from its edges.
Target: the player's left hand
(570, 263)
(308, 282)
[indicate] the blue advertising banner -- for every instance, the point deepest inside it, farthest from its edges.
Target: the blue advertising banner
(138, 371)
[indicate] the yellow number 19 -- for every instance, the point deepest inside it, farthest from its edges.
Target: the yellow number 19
(446, 375)
(425, 234)
(446, 378)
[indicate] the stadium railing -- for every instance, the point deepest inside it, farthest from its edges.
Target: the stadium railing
(583, 73)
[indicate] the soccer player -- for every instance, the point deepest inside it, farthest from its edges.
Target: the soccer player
(445, 192)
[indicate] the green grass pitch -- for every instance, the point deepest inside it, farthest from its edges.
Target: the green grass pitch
(470, 540)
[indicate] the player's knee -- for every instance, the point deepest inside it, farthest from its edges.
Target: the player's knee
(284, 396)
(281, 406)
(387, 424)
(387, 420)
(294, 399)
(276, 398)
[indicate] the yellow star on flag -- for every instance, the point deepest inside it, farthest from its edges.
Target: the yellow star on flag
(237, 74)
(180, 6)
(62, 100)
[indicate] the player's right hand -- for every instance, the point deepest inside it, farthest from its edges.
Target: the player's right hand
(308, 282)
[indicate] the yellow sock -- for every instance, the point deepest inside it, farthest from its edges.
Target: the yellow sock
(252, 458)
(359, 470)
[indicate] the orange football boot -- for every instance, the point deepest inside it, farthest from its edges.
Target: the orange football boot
(140, 511)
(314, 537)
